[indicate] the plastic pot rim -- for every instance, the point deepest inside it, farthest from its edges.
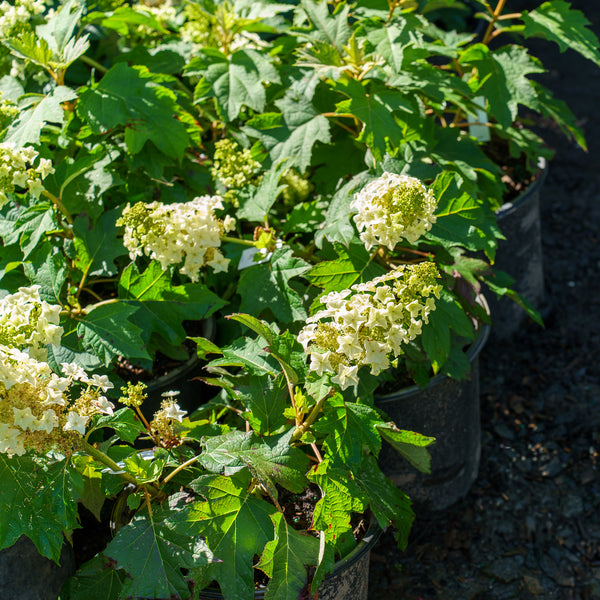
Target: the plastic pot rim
(509, 207)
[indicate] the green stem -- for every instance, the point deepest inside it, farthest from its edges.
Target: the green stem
(109, 462)
(93, 63)
(180, 468)
(240, 241)
(102, 303)
(61, 207)
(303, 428)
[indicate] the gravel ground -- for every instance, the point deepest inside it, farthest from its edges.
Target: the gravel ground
(530, 526)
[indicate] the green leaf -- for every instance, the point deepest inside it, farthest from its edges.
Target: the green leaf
(84, 180)
(266, 399)
(132, 97)
(390, 41)
(349, 428)
(283, 346)
(386, 501)
(435, 338)
(333, 29)
(292, 134)
(144, 470)
(448, 308)
(560, 113)
(557, 21)
(31, 48)
(267, 285)
(340, 497)
(124, 20)
(262, 198)
(236, 526)
(153, 555)
(97, 245)
(124, 421)
(61, 354)
(161, 307)
(48, 269)
(95, 580)
(353, 266)
(306, 217)
(60, 27)
(205, 347)
(380, 130)
(338, 226)
(502, 76)
(32, 225)
(249, 354)
(39, 110)
(461, 219)
(412, 446)
(285, 560)
(272, 461)
(235, 80)
(109, 332)
(39, 500)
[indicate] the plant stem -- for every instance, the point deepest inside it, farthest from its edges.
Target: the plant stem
(144, 421)
(427, 255)
(180, 468)
(241, 241)
(93, 63)
(109, 462)
(489, 32)
(59, 205)
(301, 430)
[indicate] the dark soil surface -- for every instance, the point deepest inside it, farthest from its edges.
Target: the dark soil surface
(530, 526)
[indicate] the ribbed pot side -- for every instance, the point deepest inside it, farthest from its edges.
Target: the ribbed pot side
(521, 256)
(447, 409)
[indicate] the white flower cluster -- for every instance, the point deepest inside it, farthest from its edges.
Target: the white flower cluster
(162, 10)
(187, 232)
(370, 322)
(393, 208)
(164, 418)
(26, 322)
(19, 12)
(38, 408)
(15, 172)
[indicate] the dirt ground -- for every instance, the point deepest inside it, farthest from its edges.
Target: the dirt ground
(530, 526)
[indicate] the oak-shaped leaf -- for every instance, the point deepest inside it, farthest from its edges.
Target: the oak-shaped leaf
(153, 554)
(411, 445)
(349, 429)
(285, 560)
(340, 498)
(39, 500)
(271, 460)
(236, 525)
(267, 285)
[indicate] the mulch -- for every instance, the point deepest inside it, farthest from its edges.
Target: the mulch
(530, 526)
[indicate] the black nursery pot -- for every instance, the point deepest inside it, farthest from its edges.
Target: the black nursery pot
(27, 575)
(447, 409)
(520, 255)
(349, 579)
